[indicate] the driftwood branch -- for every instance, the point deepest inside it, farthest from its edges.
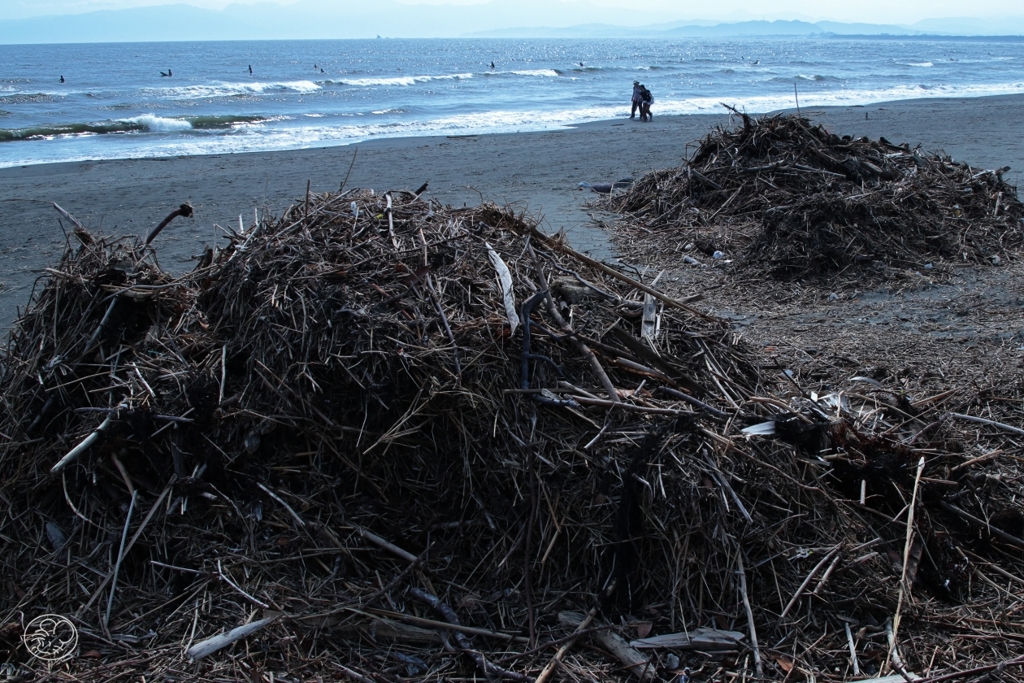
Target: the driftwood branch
(595, 364)
(636, 662)
(81, 447)
(183, 210)
(207, 647)
(487, 668)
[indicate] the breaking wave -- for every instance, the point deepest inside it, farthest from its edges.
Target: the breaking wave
(244, 89)
(147, 123)
(546, 73)
(404, 81)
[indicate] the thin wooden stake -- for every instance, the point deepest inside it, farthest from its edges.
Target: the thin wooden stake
(131, 543)
(80, 448)
(355, 153)
(893, 657)
(853, 650)
(120, 558)
(557, 659)
(807, 581)
(750, 614)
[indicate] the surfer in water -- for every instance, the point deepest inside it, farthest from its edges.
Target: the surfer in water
(167, 74)
(250, 69)
(61, 79)
(492, 65)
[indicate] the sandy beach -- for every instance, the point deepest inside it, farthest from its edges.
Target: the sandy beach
(536, 172)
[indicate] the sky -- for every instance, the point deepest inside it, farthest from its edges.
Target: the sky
(871, 11)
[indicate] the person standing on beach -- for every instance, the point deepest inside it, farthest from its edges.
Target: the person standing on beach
(646, 100)
(636, 99)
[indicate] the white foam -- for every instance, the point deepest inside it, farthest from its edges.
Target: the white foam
(297, 133)
(261, 123)
(838, 97)
(197, 92)
(160, 124)
(921, 64)
(404, 81)
(401, 81)
(546, 73)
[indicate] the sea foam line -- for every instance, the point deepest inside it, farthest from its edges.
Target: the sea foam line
(196, 92)
(404, 81)
(837, 98)
(546, 73)
(291, 136)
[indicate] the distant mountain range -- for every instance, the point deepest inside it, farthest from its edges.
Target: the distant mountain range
(764, 29)
(738, 29)
(322, 19)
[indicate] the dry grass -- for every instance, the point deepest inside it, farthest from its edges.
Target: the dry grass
(332, 425)
(797, 202)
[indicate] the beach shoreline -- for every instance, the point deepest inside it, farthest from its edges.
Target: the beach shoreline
(536, 172)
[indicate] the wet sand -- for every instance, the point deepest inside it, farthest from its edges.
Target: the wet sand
(535, 172)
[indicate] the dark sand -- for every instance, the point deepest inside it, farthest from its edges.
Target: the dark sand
(536, 172)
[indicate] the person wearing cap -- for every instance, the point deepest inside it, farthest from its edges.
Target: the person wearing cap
(637, 97)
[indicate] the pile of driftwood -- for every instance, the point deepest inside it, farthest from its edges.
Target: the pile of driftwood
(786, 195)
(384, 439)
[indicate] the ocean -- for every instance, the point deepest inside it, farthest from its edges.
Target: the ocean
(114, 103)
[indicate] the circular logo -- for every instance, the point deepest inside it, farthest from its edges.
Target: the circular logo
(51, 638)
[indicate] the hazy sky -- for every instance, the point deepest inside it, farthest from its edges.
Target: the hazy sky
(870, 11)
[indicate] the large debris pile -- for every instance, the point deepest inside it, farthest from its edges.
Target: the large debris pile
(807, 203)
(377, 416)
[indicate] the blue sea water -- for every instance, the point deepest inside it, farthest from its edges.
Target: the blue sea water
(114, 103)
